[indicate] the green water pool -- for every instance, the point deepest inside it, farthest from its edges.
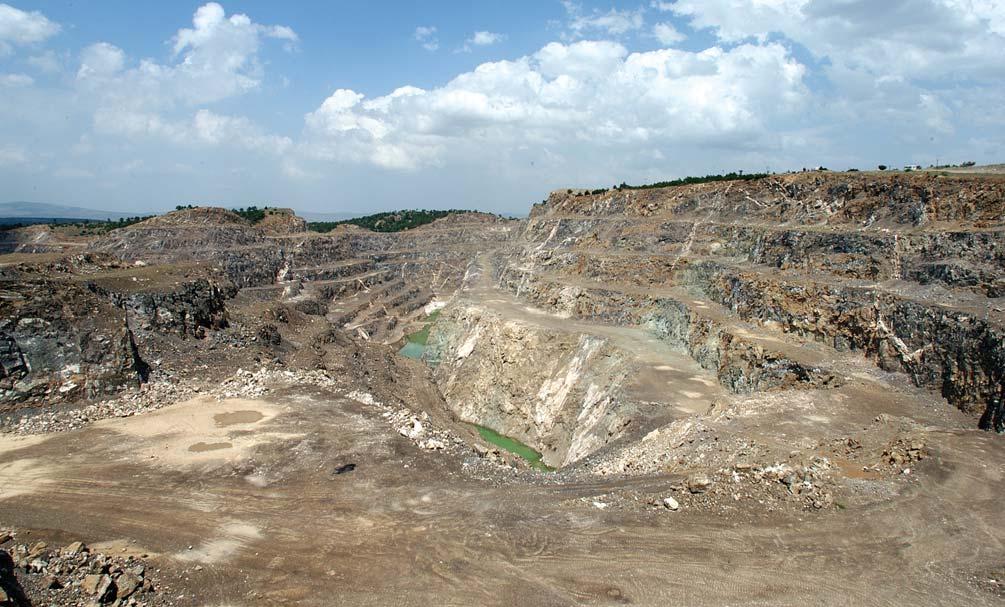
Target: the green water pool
(514, 446)
(415, 343)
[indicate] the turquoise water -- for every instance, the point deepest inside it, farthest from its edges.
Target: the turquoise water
(413, 350)
(514, 446)
(415, 343)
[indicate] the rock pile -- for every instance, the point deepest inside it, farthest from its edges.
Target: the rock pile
(72, 575)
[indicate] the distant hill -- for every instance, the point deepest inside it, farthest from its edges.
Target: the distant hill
(329, 216)
(391, 221)
(42, 210)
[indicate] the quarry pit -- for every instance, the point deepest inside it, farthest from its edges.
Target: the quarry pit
(775, 391)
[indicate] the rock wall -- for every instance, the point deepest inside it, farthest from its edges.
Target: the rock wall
(186, 310)
(60, 342)
(905, 269)
(560, 393)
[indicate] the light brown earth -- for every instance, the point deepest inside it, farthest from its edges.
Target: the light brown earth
(270, 523)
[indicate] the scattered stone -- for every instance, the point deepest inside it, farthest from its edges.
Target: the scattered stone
(75, 548)
(671, 504)
(699, 483)
(344, 468)
(37, 550)
(127, 584)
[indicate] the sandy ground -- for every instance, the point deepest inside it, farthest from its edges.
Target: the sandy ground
(270, 522)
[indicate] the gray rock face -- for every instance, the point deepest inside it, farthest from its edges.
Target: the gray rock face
(186, 310)
(59, 341)
(904, 269)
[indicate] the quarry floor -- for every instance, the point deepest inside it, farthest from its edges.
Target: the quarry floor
(247, 491)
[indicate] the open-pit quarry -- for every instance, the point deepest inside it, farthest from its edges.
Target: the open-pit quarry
(776, 391)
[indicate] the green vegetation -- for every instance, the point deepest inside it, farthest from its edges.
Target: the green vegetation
(87, 226)
(251, 213)
(394, 221)
(103, 227)
(740, 176)
(514, 446)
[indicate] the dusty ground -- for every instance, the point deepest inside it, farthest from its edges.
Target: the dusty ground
(250, 486)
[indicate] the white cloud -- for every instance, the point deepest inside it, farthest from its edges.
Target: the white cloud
(19, 28)
(216, 59)
(612, 23)
(426, 35)
(216, 129)
(482, 38)
(667, 34)
(590, 94)
(100, 60)
(47, 62)
(922, 39)
(15, 80)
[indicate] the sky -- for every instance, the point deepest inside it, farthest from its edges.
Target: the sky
(337, 106)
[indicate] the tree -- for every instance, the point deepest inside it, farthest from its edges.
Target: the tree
(882, 167)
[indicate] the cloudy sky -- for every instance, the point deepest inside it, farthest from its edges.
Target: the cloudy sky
(365, 106)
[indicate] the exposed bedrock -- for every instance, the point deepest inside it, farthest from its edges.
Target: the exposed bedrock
(743, 362)
(561, 392)
(904, 269)
(59, 341)
(958, 354)
(187, 309)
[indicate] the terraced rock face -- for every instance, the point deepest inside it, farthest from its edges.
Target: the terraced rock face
(904, 270)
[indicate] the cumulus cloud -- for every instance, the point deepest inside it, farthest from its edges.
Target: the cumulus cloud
(611, 23)
(893, 38)
(481, 38)
(426, 36)
(588, 93)
(216, 59)
(18, 28)
(100, 60)
(667, 34)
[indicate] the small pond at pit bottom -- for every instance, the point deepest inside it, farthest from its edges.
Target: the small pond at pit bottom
(415, 347)
(514, 446)
(415, 344)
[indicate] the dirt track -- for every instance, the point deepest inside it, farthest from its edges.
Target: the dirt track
(270, 523)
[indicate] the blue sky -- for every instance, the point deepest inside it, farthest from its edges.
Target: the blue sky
(346, 106)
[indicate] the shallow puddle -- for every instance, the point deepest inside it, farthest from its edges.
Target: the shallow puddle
(412, 350)
(204, 447)
(514, 446)
(415, 344)
(232, 418)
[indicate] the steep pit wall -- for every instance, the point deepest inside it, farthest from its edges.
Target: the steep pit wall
(561, 393)
(958, 354)
(742, 363)
(186, 309)
(61, 342)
